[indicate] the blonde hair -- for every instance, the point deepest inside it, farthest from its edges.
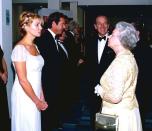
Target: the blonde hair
(26, 18)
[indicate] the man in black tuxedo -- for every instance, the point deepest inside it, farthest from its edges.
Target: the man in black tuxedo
(52, 70)
(98, 58)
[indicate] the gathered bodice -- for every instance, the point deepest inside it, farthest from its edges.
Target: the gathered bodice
(34, 65)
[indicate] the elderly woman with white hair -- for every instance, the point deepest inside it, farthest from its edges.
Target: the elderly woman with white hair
(118, 83)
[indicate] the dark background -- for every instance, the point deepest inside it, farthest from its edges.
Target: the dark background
(141, 14)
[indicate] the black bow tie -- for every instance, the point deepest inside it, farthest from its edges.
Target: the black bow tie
(100, 38)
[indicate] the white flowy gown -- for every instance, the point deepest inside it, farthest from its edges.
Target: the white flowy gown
(25, 115)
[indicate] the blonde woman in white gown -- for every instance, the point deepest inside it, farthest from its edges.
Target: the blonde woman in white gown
(27, 98)
(118, 83)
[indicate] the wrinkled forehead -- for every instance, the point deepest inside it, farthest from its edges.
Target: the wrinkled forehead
(62, 20)
(102, 19)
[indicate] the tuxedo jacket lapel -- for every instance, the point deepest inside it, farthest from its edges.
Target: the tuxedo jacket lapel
(96, 50)
(52, 42)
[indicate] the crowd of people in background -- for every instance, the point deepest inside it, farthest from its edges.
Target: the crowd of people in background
(57, 68)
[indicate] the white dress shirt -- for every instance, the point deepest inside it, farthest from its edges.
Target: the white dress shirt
(101, 45)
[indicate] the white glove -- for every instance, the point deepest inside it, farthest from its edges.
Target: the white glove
(98, 90)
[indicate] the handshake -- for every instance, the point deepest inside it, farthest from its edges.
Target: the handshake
(98, 90)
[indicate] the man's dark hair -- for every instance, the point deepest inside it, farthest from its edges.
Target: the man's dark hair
(54, 17)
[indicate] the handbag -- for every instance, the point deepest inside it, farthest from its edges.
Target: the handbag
(106, 122)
